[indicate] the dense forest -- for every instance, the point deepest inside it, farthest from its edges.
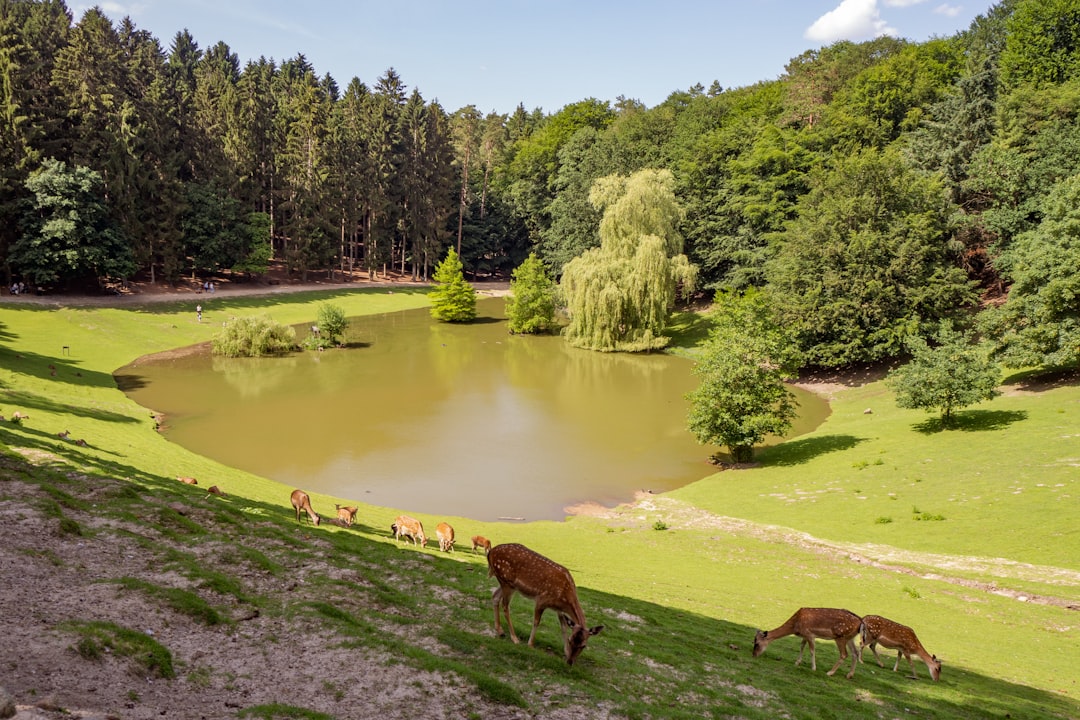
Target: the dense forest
(872, 191)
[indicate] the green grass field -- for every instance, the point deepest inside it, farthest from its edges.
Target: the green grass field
(971, 536)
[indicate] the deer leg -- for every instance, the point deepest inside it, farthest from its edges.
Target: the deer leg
(496, 599)
(843, 656)
(911, 666)
(538, 612)
(854, 658)
(873, 649)
(896, 666)
(802, 647)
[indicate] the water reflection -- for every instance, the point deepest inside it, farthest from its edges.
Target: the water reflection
(438, 418)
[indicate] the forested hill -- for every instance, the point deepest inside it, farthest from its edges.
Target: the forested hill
(873, 190)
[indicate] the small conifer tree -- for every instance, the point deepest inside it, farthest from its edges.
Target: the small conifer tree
(453, 299)
(531, 305)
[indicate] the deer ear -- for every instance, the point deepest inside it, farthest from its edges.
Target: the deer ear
(596, 630)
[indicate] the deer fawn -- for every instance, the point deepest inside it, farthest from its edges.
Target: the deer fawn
(405, 526)
(877, 630)
(346, 514)
(479, 541)
(445, 533)
(810, 623)
(550, 585)
(301, 501)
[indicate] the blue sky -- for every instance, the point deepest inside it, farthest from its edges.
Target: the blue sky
(495, 54)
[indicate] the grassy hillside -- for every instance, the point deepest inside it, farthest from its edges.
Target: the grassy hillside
(971, 536)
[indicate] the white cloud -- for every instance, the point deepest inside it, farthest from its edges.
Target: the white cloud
(854, 20)
(949, 10)
(903, 3)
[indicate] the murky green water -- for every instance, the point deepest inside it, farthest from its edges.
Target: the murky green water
(445, 419)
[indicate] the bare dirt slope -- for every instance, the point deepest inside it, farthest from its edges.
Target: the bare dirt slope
(59, 565)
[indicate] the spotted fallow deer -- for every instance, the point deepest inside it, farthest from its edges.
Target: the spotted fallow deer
(346, 514)
(877, 630)
(301, 502)
(410, 527)
(445, 533)
(821, 623)
(550, 585)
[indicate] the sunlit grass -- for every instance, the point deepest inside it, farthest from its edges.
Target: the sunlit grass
(740, 549)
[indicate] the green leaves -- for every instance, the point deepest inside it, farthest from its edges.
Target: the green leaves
(531, 305)
(950, 375)
(620, 294)
(452, 299)
(742, 397)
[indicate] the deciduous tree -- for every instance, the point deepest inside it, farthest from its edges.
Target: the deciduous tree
(619, 295)
(742, 398)
(952, 373)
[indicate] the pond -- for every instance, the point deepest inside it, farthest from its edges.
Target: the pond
(447, 419)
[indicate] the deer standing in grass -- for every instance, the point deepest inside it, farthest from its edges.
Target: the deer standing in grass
(877, 630)
(346, 514)
(479, 541)
(301, 501)
(445, 533)
(550, 585)
(410, 527)
(821, 623)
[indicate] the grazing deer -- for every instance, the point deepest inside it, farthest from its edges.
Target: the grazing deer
(823, 623)
(405, 526)
(445, 533)
(479, 541)
(877, 630)
(346, 514)
(550, 585)
(188, 480)
(215, 490)
(63, 435)
(301, 501)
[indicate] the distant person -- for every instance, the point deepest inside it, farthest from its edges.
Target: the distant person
(211, 286)
(198, 312)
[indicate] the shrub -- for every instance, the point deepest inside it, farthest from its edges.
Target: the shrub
(253, 337)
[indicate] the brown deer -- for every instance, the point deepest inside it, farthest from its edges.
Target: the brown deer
(479, 541)
(405, 526)
(550, 585)
(445, 533)
(823, 623)
(346, 514)
(187, 480)
(877, 630)
(215, 490)
(301, 501)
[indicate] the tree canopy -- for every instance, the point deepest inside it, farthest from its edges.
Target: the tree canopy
(620, 294)
(948, 375)
(872, 190)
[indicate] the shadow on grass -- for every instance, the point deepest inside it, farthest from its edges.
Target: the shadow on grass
(650, 661)
(17, 400)
(797, 452)
(687, 330)
(973, 421)
(1044, 379)
(57, 368)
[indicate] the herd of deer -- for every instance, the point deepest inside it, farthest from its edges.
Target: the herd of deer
(550, 586)
(843, 626)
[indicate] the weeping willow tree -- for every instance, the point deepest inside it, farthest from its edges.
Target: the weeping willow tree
(619, 295)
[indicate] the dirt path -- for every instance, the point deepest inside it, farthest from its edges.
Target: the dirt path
(275, 283)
